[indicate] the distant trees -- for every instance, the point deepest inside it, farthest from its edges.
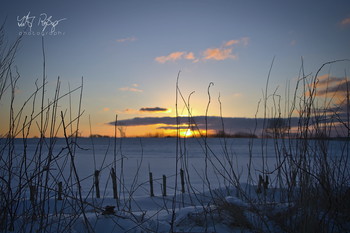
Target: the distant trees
(221, 134)
(98, 136)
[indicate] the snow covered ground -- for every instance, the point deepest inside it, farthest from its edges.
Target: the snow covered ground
(216, 198)
(204, 212)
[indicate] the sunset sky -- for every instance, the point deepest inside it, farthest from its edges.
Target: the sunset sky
(130, 53)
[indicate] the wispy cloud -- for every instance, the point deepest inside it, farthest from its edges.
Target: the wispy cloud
(189, 56)
(225, 51)
(105, 109)
(175, 56)
(335, 89)
(154, 109)
(144, 110)
(332, 85)
(345, 21)
(243, 41)
(127, 39)
(133, 88)
(218, 54)
(231, 42)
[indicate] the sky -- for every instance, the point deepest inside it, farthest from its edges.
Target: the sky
(130, 55)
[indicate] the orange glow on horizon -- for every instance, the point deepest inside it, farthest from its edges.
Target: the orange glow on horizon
(156, 130)
(187, 133)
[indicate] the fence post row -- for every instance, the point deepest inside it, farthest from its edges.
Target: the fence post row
(182, 180)
(164, 185)
(97, 186)
(151, 183)
(114, 183)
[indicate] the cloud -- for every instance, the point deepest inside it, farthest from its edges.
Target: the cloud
(144, 110)
(218, 54)
(189, 56)
(345, 21)
(155, 109)
(335, 89)
(128, 39)
(232, 124)
(106, 109)
(225, 51)
(175, 56)
(137, 121)
(171, 57)
(221, 53)
(131, 89)
(328, 85)
(231, 42)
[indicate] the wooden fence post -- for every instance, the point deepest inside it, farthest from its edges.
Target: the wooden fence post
(97, 186)
(182, 180)
(164, 185)
(114, 183)
(151, 183)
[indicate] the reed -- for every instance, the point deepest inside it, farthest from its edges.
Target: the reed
(307, 175)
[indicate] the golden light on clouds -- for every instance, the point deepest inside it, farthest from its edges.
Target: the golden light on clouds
(225, 51)
(330, 89)
(218, 54)
(231, 42)
(175, 56)
(190, 56)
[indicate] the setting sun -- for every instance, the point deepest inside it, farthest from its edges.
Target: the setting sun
(187, 133)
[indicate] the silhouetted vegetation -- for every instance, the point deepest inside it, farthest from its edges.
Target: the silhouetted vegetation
(306, 189)
(99, 136)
